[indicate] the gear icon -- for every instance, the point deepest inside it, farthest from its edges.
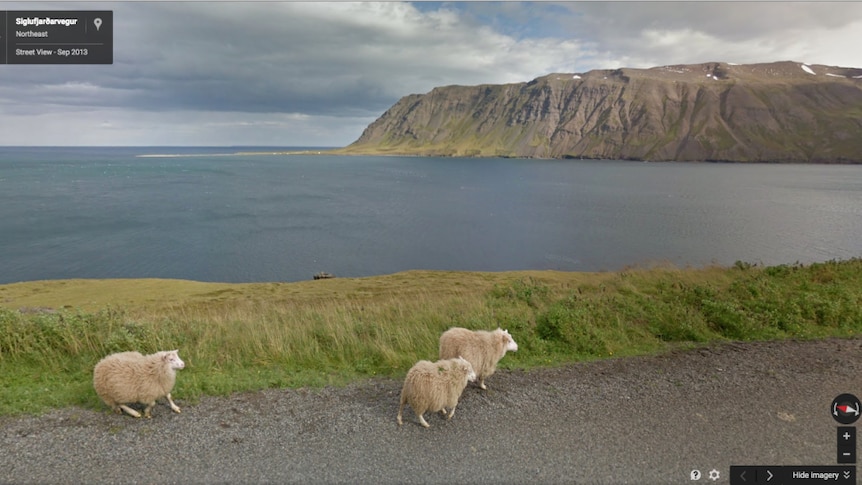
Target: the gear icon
(714, 474)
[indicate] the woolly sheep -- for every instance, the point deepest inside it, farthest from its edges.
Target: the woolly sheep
(483, 349)
(130, 377)
(435, 386)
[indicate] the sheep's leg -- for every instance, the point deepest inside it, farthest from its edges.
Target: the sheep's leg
(171, 402)
(443, 412)
(400, 408)
(482, 383)
(129, 411)
(148, 409)
(452, 412)
(422, 421)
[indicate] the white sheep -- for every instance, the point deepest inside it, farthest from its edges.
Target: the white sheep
(483, 349)
(435, 386)
(129, 377)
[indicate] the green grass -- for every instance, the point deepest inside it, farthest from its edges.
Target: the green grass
(254, 336)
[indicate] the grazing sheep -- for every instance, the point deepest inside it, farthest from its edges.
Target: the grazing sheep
(481, 348)
(128, 377)
(435, 386)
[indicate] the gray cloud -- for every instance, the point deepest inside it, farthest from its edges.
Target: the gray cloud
(644, 34)
(304, 73)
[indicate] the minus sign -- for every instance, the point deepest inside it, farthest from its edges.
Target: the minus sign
(846, 454)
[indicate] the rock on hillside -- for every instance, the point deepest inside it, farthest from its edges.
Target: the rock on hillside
(776, 112)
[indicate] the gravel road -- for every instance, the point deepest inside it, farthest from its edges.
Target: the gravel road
(628, 420)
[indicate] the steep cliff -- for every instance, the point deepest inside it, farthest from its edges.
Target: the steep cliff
(777, 112)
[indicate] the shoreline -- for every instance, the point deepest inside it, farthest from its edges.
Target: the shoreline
(339, 152)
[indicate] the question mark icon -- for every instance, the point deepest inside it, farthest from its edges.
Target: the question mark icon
(695, 475)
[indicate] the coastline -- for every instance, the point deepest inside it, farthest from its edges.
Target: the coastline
(434, 154)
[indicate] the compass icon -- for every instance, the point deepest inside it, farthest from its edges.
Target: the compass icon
(846, 408)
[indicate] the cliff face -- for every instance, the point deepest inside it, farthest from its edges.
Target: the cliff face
(778, 112)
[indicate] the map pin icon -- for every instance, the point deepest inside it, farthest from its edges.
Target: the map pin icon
(98, 22)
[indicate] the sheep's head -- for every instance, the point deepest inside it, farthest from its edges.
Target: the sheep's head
(172, 358)
(467, 368)
(511, 345)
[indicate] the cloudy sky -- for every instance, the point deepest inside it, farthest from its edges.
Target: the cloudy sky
(315, 74)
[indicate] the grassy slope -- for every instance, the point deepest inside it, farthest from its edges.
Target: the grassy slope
(237, 337)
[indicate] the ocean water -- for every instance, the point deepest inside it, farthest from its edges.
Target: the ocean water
(209, 215)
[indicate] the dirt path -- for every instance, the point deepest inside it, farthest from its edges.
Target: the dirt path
(636, 420)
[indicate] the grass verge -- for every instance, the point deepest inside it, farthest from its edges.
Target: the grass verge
(255, 336)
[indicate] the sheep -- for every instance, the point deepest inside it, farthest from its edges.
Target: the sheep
(128, 377)
(483, 349)
(435, 386)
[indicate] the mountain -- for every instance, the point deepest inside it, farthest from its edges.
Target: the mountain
(775, 112)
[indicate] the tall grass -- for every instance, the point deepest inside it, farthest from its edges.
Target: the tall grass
(46, 358)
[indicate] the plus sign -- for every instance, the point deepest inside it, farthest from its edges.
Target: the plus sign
(846, 435)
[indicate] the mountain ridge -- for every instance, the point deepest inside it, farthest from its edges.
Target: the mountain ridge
(716, 111)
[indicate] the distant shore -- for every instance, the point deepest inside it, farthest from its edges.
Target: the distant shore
(233, 154)
(418, 154)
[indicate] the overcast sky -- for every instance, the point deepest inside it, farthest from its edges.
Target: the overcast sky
(315, 74)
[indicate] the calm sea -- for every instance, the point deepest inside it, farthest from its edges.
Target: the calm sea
(204, 214)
